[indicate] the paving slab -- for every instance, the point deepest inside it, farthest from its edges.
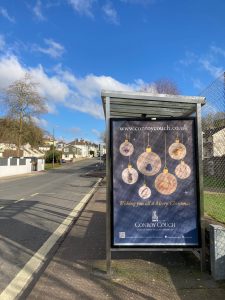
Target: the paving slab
(77, 269)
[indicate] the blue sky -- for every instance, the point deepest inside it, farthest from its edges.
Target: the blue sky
(75, 48)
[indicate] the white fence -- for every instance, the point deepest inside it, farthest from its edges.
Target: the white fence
(16, 166)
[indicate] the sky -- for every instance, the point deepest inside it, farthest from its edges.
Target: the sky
(75, 48)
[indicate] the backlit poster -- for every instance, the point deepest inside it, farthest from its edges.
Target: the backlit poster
(154, 183)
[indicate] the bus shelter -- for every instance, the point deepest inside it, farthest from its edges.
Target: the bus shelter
(154, 173)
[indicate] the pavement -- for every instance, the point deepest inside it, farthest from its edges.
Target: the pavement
(77, 271)
(36, 212)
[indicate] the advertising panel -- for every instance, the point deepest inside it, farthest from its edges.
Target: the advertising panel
(155, 199)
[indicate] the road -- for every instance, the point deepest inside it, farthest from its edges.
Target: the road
(31, 210)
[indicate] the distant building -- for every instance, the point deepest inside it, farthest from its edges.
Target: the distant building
(60, 145)
(214, 142)
(48, 141)
(70, 152)
(88, 149)
(10, 150)
(44, 148)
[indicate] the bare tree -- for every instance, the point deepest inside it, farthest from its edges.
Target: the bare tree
(161, 86)
(166, 86)
(22, 102)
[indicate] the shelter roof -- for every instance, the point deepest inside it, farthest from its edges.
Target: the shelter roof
(137, 104)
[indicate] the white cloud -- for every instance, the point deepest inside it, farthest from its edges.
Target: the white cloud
(218, 50)
(2, 42)
(40, 122)
(49, 87)
(53, 48)
(64, 88)
(37, 10)
(211, 68)
(85, 91)
(210, 61)
(189, 59)
(5, 14)
(10, 70)
(83, 7)
(198, 84)
(110, 13)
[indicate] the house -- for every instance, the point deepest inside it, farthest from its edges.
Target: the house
(214, 142)
(219, 143)
(60, 145)
(88, 149)
(44, 148)
(48, 141)
(29, 151)
(70, 152)
(10, 150)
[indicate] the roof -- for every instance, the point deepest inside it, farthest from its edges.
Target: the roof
(212, 131)
(135, 104)
(82, 142)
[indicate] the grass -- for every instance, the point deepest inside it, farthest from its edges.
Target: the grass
(214, 205)
(49, 166)
(213, 182)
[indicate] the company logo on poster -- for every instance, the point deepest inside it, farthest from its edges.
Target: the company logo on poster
(155, 217)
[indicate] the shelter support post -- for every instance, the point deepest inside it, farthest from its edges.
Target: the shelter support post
(108, 195)
(200, 172)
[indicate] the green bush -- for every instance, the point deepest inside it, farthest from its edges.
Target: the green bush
(49, 156)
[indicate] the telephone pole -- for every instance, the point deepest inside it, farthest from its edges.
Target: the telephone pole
(53, 150)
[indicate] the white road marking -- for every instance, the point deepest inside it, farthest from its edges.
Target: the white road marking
(1, 207)
(23, 278)
(34, 195)
(19, 200)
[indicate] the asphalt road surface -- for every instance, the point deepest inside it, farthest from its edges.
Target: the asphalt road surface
(32, 208)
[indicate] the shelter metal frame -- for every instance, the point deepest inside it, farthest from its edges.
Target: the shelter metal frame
(139, 104)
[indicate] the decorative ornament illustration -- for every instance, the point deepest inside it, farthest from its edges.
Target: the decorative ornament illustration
(149, 163)
(144, 191)
(182, 170)
(126, 148)
(129, 175)
(177, 150)
(166, 183)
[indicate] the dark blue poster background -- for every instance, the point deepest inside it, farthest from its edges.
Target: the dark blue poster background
(160, 219)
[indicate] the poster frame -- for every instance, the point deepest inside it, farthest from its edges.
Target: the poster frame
(198, 198)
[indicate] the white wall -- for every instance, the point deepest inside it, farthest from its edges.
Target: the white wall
(219, 143)
(40, 164)
(15, 170)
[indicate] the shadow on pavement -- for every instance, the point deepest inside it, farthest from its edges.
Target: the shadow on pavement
(77, 270)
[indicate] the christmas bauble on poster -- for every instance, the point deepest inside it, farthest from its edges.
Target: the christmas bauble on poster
(144, 192)
(129, 175)
(177, 150)
(166, 183)
(182, 170)
(126, 148)
(149, 163)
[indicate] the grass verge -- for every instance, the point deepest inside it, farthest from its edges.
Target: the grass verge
(214, 205)
(49, 166)
(213, 182)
